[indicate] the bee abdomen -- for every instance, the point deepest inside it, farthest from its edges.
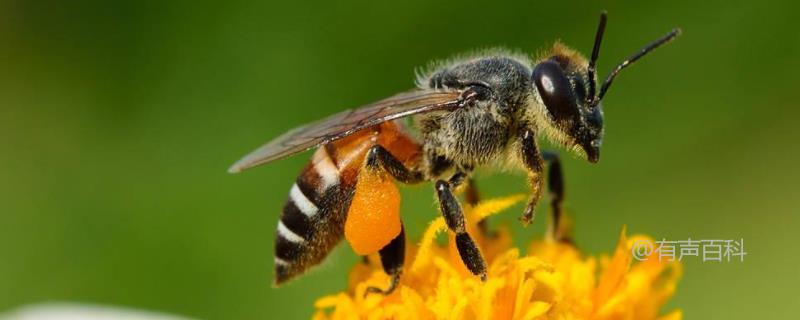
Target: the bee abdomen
(312, 221)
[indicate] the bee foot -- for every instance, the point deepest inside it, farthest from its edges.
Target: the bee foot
(380, 291)
(527, 216)
(392, 285)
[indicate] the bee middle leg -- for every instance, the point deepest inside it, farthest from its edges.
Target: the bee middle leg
(454, 217)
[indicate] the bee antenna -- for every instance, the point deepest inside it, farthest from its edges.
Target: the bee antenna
(647, 49)
(598, 38)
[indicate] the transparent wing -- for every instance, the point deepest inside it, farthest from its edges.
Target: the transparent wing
(347, 122)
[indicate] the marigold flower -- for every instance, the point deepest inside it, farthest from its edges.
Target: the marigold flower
(553, 281)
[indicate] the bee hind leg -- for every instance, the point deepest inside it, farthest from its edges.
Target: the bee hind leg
(392, 258)
(379, 157)
(471, 194)
(393, 254)
(454, 217)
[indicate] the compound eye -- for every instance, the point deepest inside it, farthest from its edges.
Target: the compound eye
(596, 117)
(555, 90)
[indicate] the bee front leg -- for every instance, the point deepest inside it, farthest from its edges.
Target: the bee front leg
(555, 186)
(392, 258)
(532, 159)
(472, 195)
(454, 217)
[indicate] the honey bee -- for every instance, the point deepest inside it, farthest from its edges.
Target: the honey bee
(481, 110)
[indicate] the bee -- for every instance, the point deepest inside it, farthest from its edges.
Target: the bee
(478, 111)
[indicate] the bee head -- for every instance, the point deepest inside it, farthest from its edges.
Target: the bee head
(565, 83)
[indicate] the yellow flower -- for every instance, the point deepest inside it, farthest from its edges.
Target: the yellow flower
(553, 281)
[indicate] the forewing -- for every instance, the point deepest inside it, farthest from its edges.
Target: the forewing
(348, 122)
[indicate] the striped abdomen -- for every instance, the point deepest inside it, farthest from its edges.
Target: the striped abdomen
(312, 221)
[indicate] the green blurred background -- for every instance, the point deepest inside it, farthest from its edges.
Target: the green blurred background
(119, 119)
